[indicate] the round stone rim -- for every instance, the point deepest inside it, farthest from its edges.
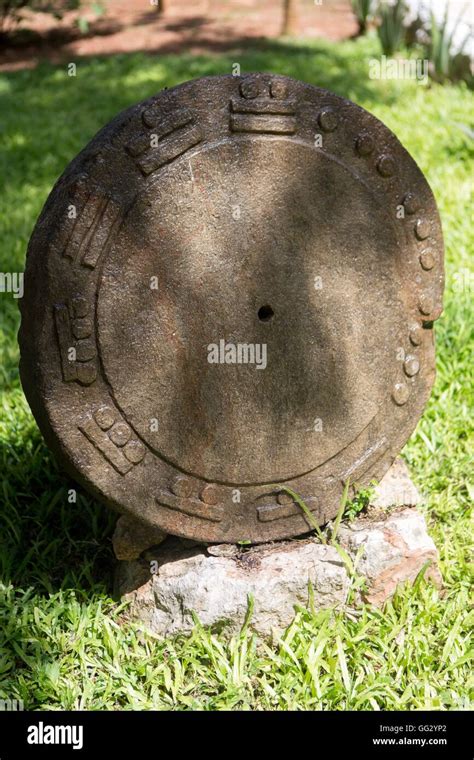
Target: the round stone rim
(80, 178)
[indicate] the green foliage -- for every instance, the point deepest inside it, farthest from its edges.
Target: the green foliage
(444, 63)
(358, 504)
(98, 8)
(64, 644)
(310, 519)
(391, 29)
(363, 12)
(66, 653)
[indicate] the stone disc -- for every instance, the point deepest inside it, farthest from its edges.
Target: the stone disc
(230, 293)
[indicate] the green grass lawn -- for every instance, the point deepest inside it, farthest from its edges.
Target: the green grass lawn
(62, 641)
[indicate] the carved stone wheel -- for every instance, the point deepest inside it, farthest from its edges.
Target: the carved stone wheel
(231, 291)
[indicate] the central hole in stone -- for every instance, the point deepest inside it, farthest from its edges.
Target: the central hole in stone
(265, 313)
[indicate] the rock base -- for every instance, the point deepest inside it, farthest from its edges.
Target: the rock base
(170, 582)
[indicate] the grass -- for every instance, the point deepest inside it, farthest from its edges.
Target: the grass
(63, 644)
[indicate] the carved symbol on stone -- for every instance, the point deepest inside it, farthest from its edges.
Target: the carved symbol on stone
(74, 329)
(113, 438)
(271, 112)
(176, 134)
(190, 506)
(84, 237)
(270, 512)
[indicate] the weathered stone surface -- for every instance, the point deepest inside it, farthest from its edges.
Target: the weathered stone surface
(132, 537)
(172, 581)
(231, 290)
(395, 549)
(396, 489)
(217, 589)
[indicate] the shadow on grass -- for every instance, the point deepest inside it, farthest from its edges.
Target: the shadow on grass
(48, 543)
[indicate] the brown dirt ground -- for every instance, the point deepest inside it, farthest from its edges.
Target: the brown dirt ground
(195, 27)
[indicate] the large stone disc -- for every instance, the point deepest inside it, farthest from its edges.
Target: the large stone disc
(231, 291)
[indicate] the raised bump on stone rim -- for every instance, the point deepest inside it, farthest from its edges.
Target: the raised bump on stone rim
(86, 372)
(182, 486)
(210, 494)
(365, 144)
(80, 306)
(426, 304)
(411, 365)
(249, 88)
(427, 260)
(411, 203)
(134, 451)
(85, 350)
(105, 417)
(150, 117)
(82, 328)
(328, 119)
(416, 335)
(400, 393)
(422, 229)
(386, 165)
(120, 433)
(278, 89)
